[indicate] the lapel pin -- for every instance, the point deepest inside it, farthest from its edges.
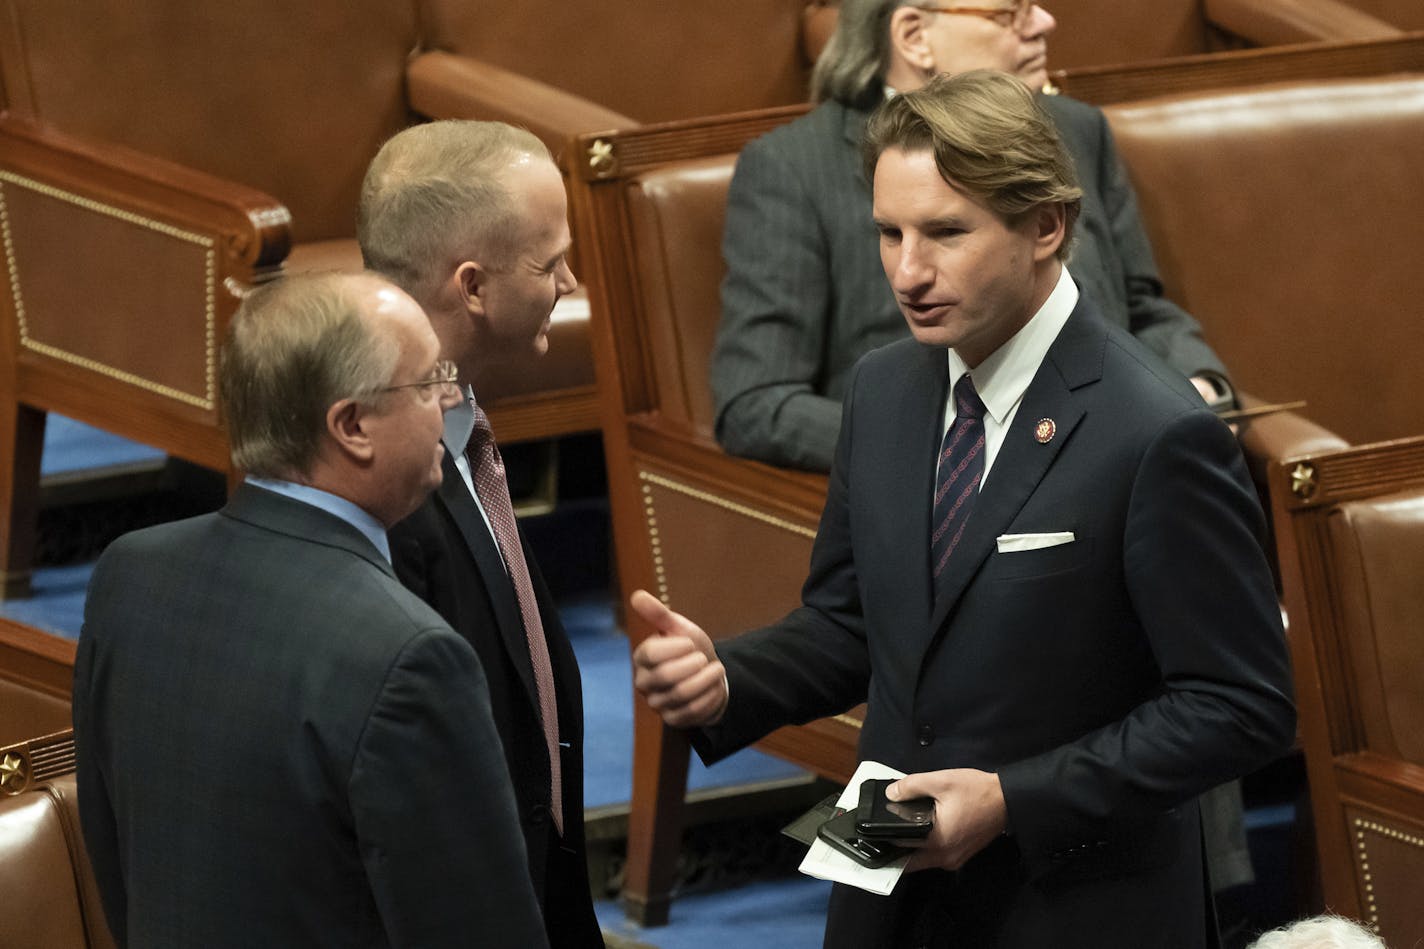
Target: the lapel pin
(1044, 430)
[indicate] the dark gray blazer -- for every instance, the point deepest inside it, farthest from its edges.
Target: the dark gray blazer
(805, 295)
(446, 555)
(1108, 681)
(279, 745)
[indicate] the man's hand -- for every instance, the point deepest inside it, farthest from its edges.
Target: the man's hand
(677, 671)
(969, 814)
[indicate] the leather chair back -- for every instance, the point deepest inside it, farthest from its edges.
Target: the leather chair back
(1283, 218)
(1350, 532)
(675, 217)
(292, 99)
(650, 61)
(46, 883)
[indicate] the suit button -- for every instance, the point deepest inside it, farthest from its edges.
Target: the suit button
(538, 814)
(926, 736)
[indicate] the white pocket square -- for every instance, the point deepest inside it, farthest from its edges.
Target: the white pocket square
(1012, 543)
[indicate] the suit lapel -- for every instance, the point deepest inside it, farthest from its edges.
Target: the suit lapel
(906, 490)
(454, 497)
(1075, 359)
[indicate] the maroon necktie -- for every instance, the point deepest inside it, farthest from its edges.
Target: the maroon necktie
(493, 492)
(961, 468)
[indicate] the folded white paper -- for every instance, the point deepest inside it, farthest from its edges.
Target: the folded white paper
(825, 862)
(1012, 543)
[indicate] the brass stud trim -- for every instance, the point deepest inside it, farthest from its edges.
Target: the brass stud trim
(1361, 842)
(601, 159)
(14, 774)
(727, 505)
(1303, 481)
(206, 401)
(650, 514)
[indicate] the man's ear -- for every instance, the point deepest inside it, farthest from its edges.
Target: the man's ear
(909, 39)
(345, 423)
(472, 285)
(1050, 222)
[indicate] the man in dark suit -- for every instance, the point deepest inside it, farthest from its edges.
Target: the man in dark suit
(1063, 621)
(804, 298)
(278, 744)
(471, 219)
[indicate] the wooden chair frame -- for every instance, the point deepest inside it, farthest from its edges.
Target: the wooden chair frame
(659, 462)
(1368, 802)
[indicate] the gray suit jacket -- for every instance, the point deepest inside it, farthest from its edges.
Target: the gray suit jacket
(279, 745)
(1107, 681)
(805, 295)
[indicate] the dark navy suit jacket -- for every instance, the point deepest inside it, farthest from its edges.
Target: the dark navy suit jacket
(1108, 681)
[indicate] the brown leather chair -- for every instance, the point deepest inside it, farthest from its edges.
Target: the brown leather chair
(1101, 32)
(650, 62)
(1281, 218)
(1350, 531)
(46, 883)
(156, 158)
(724, 540)
(36, 678)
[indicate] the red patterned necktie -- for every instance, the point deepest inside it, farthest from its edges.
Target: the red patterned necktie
(493, 491)
(961, 468)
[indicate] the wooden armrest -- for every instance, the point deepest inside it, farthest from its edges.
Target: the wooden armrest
(1267, 439)
(1280, 22)
(252, 228)
(447, 86)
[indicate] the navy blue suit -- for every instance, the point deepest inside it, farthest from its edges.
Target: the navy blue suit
(1108, 681)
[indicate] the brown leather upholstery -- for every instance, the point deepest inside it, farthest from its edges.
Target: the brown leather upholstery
(156, 158)
(36, 676)
(1279, 216)
(1101, 32)
(1350, 528)
(46, 884)
(649, 61)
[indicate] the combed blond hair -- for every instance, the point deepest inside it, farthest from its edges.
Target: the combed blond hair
(296, 347)
(990, 138)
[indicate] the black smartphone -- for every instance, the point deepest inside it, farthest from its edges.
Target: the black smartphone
(840, 833)
(883, 819)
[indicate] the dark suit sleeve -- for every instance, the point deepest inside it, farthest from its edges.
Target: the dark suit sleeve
(96, 812)
(1204, 600)
(1161, 325)
(435, 817)
(769, 362)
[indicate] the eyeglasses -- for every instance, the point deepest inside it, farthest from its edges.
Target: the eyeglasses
(1010, 18)
(446, 376)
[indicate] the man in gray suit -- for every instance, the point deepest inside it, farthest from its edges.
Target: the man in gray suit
(804, 296)
(278, 744)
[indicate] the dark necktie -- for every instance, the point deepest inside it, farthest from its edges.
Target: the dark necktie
(961, 467)
(493, 491)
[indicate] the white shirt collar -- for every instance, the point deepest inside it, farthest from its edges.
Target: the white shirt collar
(333, 504)
(1002, 379)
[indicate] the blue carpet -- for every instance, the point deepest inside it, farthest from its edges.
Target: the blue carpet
(786, 914)
(72, 446)
(58, 606)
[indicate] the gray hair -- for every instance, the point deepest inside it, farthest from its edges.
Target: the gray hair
(435, 195)
(1320, 932)
(858, 53)
(296, 347)
(989, 137)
